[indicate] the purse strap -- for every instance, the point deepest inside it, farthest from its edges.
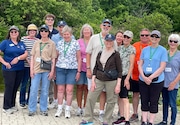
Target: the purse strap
(42, 47)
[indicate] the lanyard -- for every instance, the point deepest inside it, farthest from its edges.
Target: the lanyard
(171, 57)
(152, 53)
(42, 47)
(85, 43)
(66, 49)
(102, 45)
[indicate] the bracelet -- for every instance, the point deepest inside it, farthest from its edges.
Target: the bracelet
(18, 58)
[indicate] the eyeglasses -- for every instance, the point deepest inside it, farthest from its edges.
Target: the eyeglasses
(144, 35)
(13, 31)
(155, 36)
(127, 37)
(173, 41)
(43, 31)
(108, 25)
(49, 19)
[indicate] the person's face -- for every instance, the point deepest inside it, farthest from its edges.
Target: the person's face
(32, 33)
(144, 36)
(173, 43)
(127, 40)
(86, 32)
(109, 44)
(14, 34)
(49, 21)
(67, 36)
(60, 28)
(44, 33)
(119, 38)
(105, 28)
(155, 39)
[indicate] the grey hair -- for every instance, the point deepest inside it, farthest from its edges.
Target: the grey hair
(174, 36)
(84, 26)
(67, 29)
(145, 29)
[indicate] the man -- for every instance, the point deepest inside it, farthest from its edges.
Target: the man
(95, 45)
(144, 41)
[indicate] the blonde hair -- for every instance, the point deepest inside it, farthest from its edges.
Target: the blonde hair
(84, 26)
(67, 29)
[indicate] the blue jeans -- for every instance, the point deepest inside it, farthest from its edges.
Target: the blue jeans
(35, 83)
(169, 99)
(24, 84)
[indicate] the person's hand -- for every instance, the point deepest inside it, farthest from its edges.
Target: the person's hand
(14, 61)
(117, 89)
(78, 74)
(93, 86)
(50, 75)
(127, 84)
(32, 74)
(147, 80)
(89, 74)
(8, 66)
(171, 86)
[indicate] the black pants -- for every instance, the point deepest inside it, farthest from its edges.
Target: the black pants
(12, 80)
(150, 96)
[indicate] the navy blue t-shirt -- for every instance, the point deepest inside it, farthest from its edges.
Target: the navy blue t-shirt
(12, 51)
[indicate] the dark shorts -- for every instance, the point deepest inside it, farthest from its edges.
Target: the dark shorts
(124, 92)
(134, 85)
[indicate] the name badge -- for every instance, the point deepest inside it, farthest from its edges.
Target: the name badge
(11, 44)
(63, 65)
(84, 60)
(149, 69)
(167, 69)
(38, 59)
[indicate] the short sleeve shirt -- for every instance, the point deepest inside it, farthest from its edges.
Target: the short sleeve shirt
(67, 58)
(125, 53)
(12, 51)
(48, 53)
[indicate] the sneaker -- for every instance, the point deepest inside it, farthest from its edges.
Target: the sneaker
(79, 112)
(121, 120)
(53, 105)
(143, 123)
(58, 113)
(44, 113)
(8, 111)
(86, 123)
(149, 124)
(134, 118)
(67, 114)
(162, 123)
(31, 113)
(127, 123)
(14, 109)
(101, 117)
(23, 106)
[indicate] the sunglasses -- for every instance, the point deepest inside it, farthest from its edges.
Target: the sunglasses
(50, 19)
(13, 31)
(127, 37)
(155, 36)
(43, 31)
(144, 35)
(108, 25)
(173, 41)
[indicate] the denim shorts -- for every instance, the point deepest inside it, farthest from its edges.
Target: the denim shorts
(83, 79)
(65, 76)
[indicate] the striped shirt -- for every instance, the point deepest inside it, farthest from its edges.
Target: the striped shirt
(29, 44)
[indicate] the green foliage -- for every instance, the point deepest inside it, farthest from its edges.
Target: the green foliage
(3, 31)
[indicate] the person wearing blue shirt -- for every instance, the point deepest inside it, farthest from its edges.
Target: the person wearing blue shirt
(151, 68)
(15, 53)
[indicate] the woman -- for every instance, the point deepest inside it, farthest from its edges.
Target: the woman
(82, 88)
(28, 41)
(15, 53)
(151, 66)
(43, 49)
(107, 61)
(119, 38)
(171, 81)
(127, 54)
(68, 68)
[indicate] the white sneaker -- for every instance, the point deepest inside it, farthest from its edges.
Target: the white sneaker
(101, 117)
(67, 114)
(83, 111)
(79, 112)
(8, 111)
(58, 113)
(14, 109)
(53, 105)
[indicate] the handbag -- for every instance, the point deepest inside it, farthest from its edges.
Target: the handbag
(112, 74)
(45, 65)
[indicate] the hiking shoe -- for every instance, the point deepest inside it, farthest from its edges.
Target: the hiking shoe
(53, 105)
(31, 113)
(67, 114)
(162, 123)
(86, 123)
(121, 120)
(8, 111)
(44, 113)
(23, 106)
(101, 117)
(58, 113)
(134, 118)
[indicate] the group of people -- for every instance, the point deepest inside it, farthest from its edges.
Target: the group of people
(101, 65)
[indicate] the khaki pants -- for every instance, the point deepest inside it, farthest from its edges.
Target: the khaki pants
(111, 99)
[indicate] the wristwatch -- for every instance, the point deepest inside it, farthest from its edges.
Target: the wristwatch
(18, 58)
